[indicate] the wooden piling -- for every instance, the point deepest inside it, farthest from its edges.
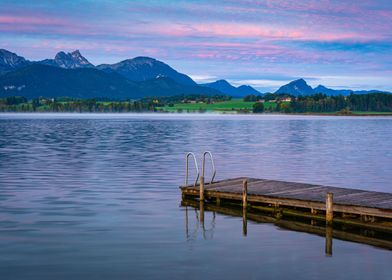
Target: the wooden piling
(202, 188)
(244, 221)
(245, 193)
(186, 223)
(328, 240)
(329, 208)
(201, 208)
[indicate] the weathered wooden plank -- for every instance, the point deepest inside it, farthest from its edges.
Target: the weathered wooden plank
(222, 183)
(216, 182)
(318, 194)
(272, 186)
(234, 185)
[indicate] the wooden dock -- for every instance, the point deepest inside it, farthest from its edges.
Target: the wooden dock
(332, 204)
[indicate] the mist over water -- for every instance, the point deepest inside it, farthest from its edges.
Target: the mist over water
(96, 196)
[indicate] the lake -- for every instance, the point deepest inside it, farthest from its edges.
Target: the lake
(95, 196)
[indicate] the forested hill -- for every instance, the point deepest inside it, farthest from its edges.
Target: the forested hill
(38, 80)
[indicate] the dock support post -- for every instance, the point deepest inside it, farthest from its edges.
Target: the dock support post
(328, 240)
(218, 201)
(186, 223)
(329, 208)
(201, 188)
(244, 207)
(244, 222)
(202, 212)
(245, 193)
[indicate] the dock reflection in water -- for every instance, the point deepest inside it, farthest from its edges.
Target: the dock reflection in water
(343, 232)
(208, 231)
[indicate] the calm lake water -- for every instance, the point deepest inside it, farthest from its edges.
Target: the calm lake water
(96, 196)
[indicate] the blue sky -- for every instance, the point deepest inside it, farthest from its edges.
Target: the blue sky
(264, 43)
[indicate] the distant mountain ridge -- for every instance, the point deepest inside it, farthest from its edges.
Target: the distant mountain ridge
(71, 60)
(226, 88)
(72, 75)
(10, 61)
(301, 88)
(296, 88)
(131, 78)
(329, 91)
(332, 92)
(145, 68)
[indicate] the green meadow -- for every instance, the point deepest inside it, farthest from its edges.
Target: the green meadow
(233, 105)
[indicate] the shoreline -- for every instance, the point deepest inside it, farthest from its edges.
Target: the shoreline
(216, 113)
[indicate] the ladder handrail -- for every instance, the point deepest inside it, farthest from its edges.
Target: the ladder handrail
(187, 167)
(213, 165)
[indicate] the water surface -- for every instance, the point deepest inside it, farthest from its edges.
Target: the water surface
(96, 196)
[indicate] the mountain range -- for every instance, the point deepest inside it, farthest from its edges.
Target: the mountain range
(225, 87)
(300, 87)
(72, 75)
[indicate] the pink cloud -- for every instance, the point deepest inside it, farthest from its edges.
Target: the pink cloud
(30, 20)
(255, 32)
(309, 29)
(219, 29)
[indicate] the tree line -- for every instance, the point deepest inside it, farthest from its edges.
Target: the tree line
(317, 103)
(100, 105)
(321, 103)
(78, 106)
(372, 102)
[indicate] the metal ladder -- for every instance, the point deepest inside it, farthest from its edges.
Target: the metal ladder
(212, 164)
(197, 167)
(187, 168)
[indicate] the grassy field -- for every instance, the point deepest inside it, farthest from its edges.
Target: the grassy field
(359, 113)
(233, 105)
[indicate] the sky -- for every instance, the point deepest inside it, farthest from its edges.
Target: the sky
(263, 43)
